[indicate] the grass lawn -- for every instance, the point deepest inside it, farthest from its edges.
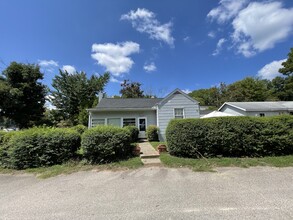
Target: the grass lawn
(155, 144)
(210, 163)
(71, 167)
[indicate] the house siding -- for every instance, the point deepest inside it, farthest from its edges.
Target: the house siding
(150, 115)
(238, 112)
(166, 111)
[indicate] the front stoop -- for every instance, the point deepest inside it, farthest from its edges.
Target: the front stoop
(148, 154)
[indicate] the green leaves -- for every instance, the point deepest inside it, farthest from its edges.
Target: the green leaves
(288, 65)
(104, 144)
(231, 136)
(75, 92)
(22, 95)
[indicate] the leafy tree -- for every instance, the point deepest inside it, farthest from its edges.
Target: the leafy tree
(75, 92)
(247, 90)
(287, 69)
(22, 95)
(131, 89)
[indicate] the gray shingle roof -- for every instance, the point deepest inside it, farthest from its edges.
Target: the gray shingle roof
(263, 106)
(130, 103)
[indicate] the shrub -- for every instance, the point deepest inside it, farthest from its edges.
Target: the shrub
(133, 132)
(79, 128)
(39, 147)
(231, 136)
(104, 144)
(152, 133)
(4, 139)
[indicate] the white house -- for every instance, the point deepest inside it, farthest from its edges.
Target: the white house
(142, 112)
(257, 108)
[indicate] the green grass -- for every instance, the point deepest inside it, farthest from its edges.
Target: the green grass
(211, 163)
(155, 144)
(71, 167)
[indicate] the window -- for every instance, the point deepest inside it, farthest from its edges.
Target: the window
(114, 121)
(262, 114)
(129, 122)
(98, 121)
(178, 113)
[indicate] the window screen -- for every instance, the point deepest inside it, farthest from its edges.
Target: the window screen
(98, 121)
(178, 113)
(114, 121)
(129, 122)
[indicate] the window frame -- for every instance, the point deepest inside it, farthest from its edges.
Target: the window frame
(135, 122)
(183, 113)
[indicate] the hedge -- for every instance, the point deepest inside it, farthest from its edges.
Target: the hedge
(231, 137)
(4, 139)
(104, 144)
(133, 132)
(152, 133)
(39, 147)
(79, 128)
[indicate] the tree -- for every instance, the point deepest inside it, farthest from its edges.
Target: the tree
(287, 69)
(22, 95)
(73, 93)
(247, 90)
(131, 90)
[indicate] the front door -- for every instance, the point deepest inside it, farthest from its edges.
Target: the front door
(142, 123)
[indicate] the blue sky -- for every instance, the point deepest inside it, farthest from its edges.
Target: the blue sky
(166, 44)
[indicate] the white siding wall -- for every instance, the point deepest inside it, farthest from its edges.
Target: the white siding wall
(150, 115)
(237, 112)
(233, 111)
(166, 111)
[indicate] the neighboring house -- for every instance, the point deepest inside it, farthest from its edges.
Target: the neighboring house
(257, 108)
(142, 112)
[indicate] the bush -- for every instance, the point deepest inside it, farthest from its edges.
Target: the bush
(4, 139)
(104, 144)
(152, 133)
(231, 136)
(39, 147)
(133, 132)
(79, 128)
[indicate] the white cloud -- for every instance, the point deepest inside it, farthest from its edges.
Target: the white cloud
(260, 26)
(212, 34)
(186, 91)
(144, 21)
(115, 57)
(271, 70)
(70, 69)
(150, 67)
(187, 38)
(219, 46)
(114, 80)
(48, 63)
(48, 103)
(226, 10)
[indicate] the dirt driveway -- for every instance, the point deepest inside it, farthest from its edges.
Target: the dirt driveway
(151, 193)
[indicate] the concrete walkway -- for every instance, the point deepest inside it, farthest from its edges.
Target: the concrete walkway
(149, 154)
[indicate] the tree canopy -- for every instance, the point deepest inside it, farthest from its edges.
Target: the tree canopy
(287, 68)
(22, 94)
(73, 93)
(131, 90)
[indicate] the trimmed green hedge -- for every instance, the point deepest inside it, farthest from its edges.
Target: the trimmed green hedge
(104, 144)
(37, 147)
(79, 128)
(4, 139)
(133, 132)
(231, 136)
(152, 133)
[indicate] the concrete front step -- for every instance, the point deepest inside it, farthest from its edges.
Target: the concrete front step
(150, 156)
(151, 161)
